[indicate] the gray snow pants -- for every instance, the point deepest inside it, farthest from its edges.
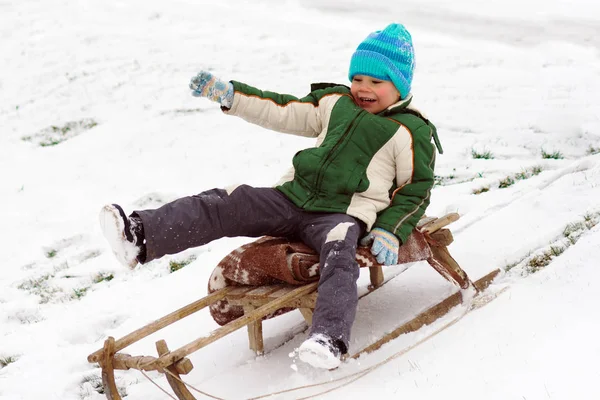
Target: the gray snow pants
(247, 211)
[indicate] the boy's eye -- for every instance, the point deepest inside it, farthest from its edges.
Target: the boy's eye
(357, 80)
(376, 82)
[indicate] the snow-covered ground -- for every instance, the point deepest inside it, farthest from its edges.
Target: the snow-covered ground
(509, 81)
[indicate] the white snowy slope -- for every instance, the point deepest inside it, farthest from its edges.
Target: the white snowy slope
(94, 109)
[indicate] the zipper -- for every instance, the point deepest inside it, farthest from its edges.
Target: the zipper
(329, 156)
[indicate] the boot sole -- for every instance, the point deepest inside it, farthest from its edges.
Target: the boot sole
(318, 356)
(113, 228)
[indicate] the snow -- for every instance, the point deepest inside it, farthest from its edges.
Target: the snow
(339, 232)
(511, 78)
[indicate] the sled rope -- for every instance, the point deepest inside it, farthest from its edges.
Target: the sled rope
(475, 302)
(473, 305)
(166, 371)
(157, 385)
(193, 388)
(140, 367)
(357, 375)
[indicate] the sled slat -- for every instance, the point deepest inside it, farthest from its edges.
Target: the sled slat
(262, 291)
(162, 322)
(234, 325)
(425, 220)
(307, 301)
(239, 290)
(439, 223)
(283, 290)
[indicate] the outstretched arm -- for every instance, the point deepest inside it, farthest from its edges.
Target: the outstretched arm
(280, 112)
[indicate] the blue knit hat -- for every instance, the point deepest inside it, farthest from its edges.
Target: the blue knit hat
(387, 55)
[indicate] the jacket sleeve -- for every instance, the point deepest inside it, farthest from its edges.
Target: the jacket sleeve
(285, 113)
(411, 197)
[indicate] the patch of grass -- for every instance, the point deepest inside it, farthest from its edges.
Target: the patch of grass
(481, 190)
(508, 267)
(557, 155)
(53, 135)
(48, 294)
(177, 265)
(556, 251)
(525, 174)
(34, 283)
(573, 228)
(452, 179)
(79, 293)
(521, 175)
(538, 262)
(593, 150)
(51, 253)
(572, 232)
(573, 239)
(4, 361)
(102, 277)
(486, 155)
(506, 182)
(40, 287)
(591, 220)
(528, 173)
(441, 180)
(94, 382)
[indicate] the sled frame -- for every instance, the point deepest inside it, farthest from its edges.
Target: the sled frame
(257, 303)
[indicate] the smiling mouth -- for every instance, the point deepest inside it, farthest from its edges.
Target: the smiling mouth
(367, 100)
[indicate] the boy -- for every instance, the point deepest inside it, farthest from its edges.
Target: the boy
(371, 170)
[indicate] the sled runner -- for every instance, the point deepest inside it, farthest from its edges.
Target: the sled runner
(287, 284)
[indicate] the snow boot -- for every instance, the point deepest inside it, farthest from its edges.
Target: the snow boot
(124, 234)
(321, 351)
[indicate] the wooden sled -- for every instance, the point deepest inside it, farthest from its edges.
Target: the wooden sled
(258, 302)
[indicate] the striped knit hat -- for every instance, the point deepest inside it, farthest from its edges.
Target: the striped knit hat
(387, 55)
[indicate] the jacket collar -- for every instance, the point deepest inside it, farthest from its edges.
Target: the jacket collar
(396, 107)
(402, 106)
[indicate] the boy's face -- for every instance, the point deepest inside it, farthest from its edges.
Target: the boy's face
(373, 95)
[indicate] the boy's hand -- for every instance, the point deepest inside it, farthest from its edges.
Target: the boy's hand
(205, 84)
(385, 246)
